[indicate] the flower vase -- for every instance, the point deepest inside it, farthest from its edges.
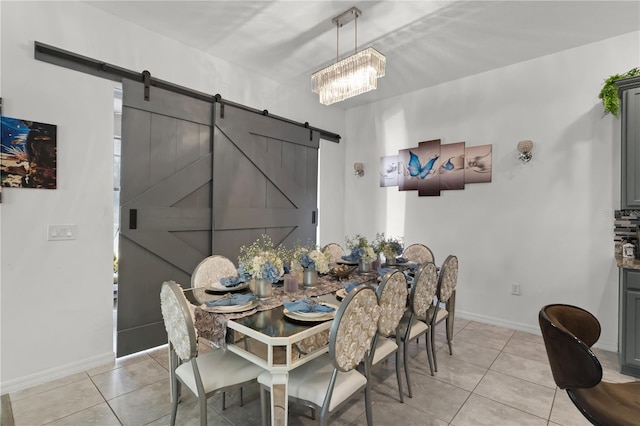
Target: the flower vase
(364, 266)
(310, 277)
(390, 260)
(262, 288)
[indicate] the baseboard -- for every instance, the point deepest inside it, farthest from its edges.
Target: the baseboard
(528, 328)
(55, 373)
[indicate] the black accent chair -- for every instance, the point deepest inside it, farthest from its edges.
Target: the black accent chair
(568, 333)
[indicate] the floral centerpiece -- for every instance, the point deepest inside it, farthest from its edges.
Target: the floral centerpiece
(261, 260)
(361, 249)
(312, 261)
(390, 247)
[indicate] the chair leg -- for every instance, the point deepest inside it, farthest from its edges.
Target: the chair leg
(406, 367)
(398, 375)
(433, 348)
(427, 343)
(449, 333)
(241, 398)
(174, 400)
(224, 401)
(203, 410)
(367, 403)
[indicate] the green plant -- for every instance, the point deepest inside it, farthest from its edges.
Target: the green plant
(609, 92)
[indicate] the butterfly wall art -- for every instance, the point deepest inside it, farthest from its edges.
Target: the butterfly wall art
(432, 167)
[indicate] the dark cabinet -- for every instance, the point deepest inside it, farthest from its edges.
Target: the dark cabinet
(630, 120)
(629, 326)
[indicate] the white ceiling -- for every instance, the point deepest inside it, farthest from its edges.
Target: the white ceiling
(425, 42)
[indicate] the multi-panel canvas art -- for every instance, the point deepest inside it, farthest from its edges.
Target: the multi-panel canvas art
(432, 167)
(389, 170)
(28, 154)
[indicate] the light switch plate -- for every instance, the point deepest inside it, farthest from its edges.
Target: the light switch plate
(61, 232)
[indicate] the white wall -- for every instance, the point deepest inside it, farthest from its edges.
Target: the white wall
(56, 302)
(546, 224)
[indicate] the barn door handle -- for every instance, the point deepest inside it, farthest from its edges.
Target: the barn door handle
(133, 219)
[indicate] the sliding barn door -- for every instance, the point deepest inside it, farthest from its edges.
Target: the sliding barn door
(165, 206)
(252, 175)
(265, 180)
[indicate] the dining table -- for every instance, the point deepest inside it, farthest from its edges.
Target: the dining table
(270, 336)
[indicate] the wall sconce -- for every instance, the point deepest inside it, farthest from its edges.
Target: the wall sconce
(358, 169)
(525, 148)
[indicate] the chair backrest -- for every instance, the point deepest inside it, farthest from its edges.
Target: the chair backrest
(568, 333)
(448, 278)
(354, 327)
(423, 289)
(178, 321)
(334, 251)
(211, 269)
(392, 299)
(418, 253)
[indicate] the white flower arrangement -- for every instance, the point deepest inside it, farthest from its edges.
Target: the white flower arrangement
(310, 258)
(261, 260)
(361, 249)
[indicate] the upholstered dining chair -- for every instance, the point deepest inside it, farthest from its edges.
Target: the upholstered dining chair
(205, 374)
(568, 333)
(392, 299)
(418, 253)
(211, 269)
(445, 305)
(334, 251)
(327, 382)
(420, 315)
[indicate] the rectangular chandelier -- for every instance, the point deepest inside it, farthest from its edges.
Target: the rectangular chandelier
(354, 74)
(349, 77)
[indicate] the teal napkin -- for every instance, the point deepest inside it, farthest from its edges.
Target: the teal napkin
(383, 271)
(306, 305)
(236, 299)
(350, 286)
(230, 281)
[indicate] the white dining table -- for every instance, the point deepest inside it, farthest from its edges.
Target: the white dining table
(280, 353)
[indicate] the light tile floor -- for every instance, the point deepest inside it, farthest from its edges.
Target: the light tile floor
(496, 376)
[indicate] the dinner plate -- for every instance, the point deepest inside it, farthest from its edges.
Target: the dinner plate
(229, 309)
(217, 287)
(341, 293)
(312, 316)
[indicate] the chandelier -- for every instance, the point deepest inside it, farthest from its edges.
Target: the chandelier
(354, 74)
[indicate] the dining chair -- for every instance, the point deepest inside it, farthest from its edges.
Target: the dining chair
(211, 270)
(445, 305)
(418, 253)
(334, 251)
(420, 315)
(392, 299)
(205, 374)
(568, 333)
(327, 382)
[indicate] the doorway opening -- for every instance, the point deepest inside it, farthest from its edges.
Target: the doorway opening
(117, 150)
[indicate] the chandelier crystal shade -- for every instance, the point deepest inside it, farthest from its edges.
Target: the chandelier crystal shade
(352, 75)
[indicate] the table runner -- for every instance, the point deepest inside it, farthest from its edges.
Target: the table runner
(213, 326)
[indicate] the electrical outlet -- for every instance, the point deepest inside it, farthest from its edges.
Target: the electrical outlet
(515, 289)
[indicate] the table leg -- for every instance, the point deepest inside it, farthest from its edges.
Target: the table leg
(279, 400)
